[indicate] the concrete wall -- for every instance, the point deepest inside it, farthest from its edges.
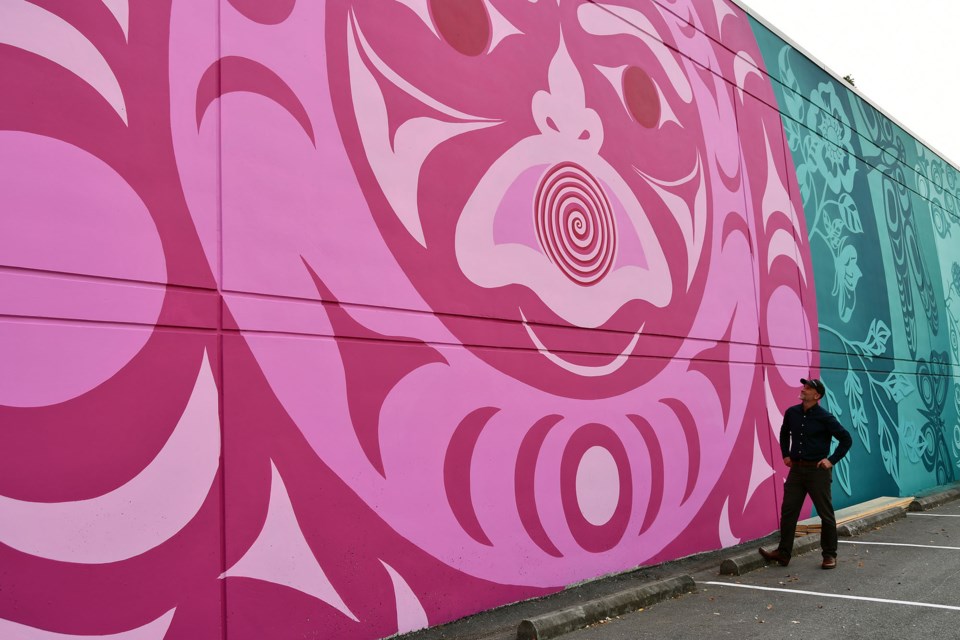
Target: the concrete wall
(348, 318)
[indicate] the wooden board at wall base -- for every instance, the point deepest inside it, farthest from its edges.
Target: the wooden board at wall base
(862, 510)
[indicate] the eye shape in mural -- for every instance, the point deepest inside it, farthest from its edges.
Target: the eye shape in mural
(473, 27)
(641, 97)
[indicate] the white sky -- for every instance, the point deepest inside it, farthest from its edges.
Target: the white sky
(903, 56)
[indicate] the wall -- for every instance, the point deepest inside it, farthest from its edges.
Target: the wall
(310, 328)
(881, 210)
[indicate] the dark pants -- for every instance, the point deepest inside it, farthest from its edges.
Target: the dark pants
(803, 481)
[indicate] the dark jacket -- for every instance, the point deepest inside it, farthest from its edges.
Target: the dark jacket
(807, 435)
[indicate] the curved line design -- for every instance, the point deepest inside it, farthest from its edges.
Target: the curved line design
(656, 470)
(370, 375)
(575, 223)
(26, 26)
(235, 73)
(410, 613)
(688, 425)
(595, 538)
(121, 11)
(456, 471)
(155, 630)
(281, 555)
(525, 487)
(265, 11)
(138, 516)
(398, 81)
(733, 224)
(396, 158)
(744, 66)
(584, 370)
(692, 220)
(760, 469)
(782, 245)
(601, 19)
(724, 530)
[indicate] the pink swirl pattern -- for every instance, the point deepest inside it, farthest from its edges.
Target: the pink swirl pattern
(350, 333)
(575, 223)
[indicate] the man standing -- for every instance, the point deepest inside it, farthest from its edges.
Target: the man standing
(805, 444)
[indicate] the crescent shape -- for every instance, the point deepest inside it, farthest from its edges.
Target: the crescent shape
(32, 28)
(524, 481)
(265, 11)
(456, 472)
(236, 73)
(139, 515)
(410, 613)
(121, 11)
(724, 531)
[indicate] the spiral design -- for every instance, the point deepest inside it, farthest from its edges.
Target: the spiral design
(575, 223)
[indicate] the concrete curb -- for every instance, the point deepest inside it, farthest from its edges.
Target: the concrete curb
(584, 604)
(551, 625)
(935, 497)
(858, 526)
(751, 560)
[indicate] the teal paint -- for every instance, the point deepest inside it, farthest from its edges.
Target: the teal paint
(882, 216)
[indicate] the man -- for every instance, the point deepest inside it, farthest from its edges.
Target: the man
(805, 439)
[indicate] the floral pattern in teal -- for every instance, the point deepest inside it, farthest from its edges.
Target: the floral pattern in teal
(882, 217)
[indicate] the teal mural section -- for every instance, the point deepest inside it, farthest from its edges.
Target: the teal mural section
(883, 221)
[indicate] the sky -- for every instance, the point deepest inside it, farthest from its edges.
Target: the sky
(904, 56)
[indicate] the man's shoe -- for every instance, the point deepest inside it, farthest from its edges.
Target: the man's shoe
(829, 562)
(775, 556)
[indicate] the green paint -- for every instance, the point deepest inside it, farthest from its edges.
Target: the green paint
(883, 221)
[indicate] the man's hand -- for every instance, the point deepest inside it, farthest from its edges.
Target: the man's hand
(825, 464)
(787, 461)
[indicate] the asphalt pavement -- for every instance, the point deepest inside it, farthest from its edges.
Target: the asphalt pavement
(898, 575)
(901, 580)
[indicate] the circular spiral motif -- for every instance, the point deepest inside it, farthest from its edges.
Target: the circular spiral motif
(575, 223)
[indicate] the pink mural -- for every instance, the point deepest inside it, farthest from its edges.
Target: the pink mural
(353, 318)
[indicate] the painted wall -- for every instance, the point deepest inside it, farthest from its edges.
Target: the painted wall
(338, 319)
(881, 213)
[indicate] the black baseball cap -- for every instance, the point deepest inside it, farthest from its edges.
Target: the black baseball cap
(816, 385)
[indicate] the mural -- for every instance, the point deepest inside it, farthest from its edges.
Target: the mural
(877, 202)
(347, 318)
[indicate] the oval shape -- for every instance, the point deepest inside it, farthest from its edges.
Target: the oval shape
(598, 485)
(589, 535)
(641, 97)
(463, 24)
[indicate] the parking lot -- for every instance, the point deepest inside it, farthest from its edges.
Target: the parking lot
(899, 581)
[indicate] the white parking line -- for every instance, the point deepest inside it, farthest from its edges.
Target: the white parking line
(901, 544)
(935, 515)
(836, 595)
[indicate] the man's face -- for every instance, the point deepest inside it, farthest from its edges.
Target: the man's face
(809, 394)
